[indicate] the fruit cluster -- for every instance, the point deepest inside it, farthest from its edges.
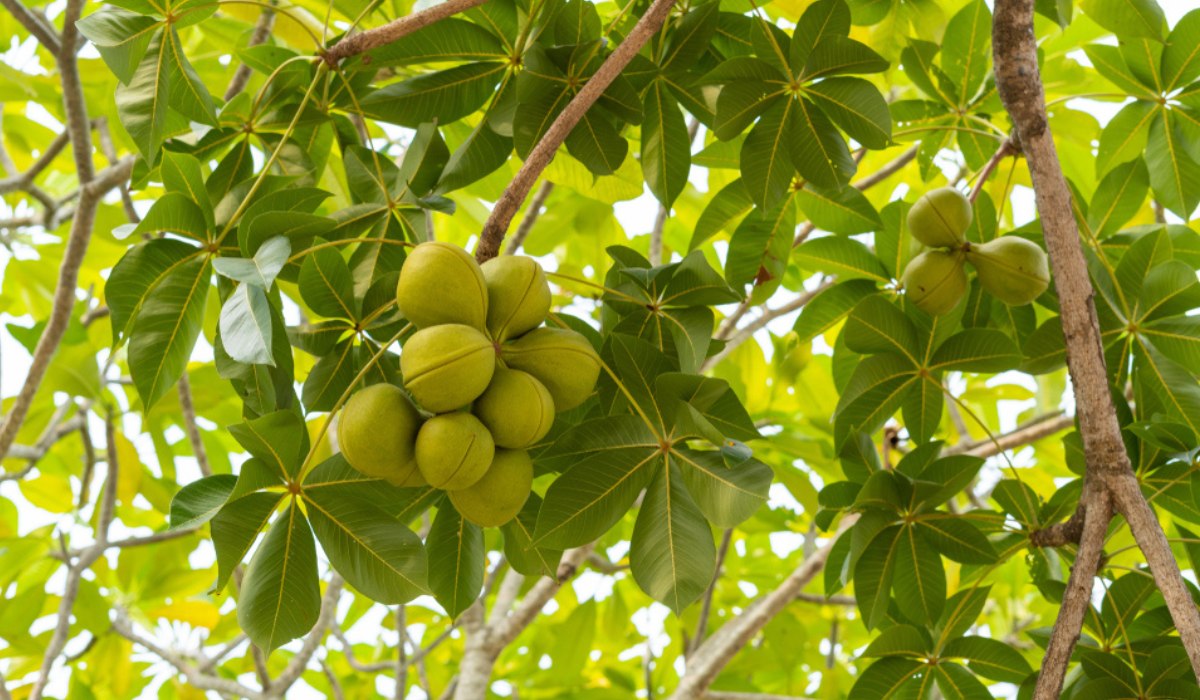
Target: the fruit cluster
(1010, 268)
(488, 378)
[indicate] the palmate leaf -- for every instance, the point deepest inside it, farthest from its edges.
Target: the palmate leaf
(817, 149)
(1180, 59)
(279, 439)
(829, 307)
(766, 165)
(235, 528)
(591, 497)
(919, 584)
(456, 560)
(1128, 19)
(666, 147)
(1125, 136)
(451, 39)
(1118, 197)
(138, 273)
(885, 679)
(966, 54)
(1174, 172)
(922, 407)
(821, 20)
(856, 106)
(846, 257)
(845, 210)
(173, 213)
(445, 96)
(326, 284)
(199, 501)
(519, 549)
(121, 37)
(166, 328)
(280, 598)
(671, 554)
(723, 209)
(726, 496)
(761, 246)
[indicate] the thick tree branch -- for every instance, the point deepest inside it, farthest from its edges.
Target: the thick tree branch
(396, 29)
(1019, 83)
(541, 155)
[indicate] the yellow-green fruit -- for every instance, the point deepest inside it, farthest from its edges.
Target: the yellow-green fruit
(454, 450)
(499, 495)
(377, 434)
(563, 360)
(518, 295)
(935, 281)
(441, 283)
(1012, 269)
(447, 367)
(516, 408)
(940, 218)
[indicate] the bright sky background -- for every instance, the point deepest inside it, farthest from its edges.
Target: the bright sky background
(637, 217)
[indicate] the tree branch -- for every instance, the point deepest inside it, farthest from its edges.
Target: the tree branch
(761, 322)
(541, 155)
(396, 29)
(299, 662)
(34, 24)
(532, 212)
(241, 76)
(1025, 434)
(1007, 148)
(189, 423)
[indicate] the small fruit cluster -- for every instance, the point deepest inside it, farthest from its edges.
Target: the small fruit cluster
(481, 365)
(1010, 268)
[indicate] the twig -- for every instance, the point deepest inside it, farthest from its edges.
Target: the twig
(531, 216)
(262, 30)
(1024, 434)
(189, 423)
(34, 24)
(706, 606)
(396, 29)
(334, 686)
(660, 219)
(541, 155)
(401, 655)
(761, 322)
(1007, 148)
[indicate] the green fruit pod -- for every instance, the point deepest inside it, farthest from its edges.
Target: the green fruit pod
(518, 295)
(447, 367)
(454, 450)
(562, 360)
(516, 408)
(377, 433)
(935, 281)
(940, 218)
(441, 283)
(1011, 268)
(500, 494)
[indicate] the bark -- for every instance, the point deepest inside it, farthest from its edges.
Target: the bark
(396, 29)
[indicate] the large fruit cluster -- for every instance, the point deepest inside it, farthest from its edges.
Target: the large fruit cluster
(488, 377)
(1010, 268)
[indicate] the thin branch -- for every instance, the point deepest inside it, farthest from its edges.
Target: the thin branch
(761, 322)
(34, 24)
(296, 667)
(712, 656)
(532, 212)
(401, 655)
(541, 155)
(867, 182)
(726, 695)
(189, 423)
(396, 29)
(334, 686)
(1007, 148)
(241, 76)
(706, 606)
(1025, 434)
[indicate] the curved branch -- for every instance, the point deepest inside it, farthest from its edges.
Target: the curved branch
(541, 155)
(396, 29)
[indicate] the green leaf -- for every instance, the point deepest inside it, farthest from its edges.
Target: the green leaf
(181, 173)
(280, 598)
(690, 39)
(174, 213)
(330, 378)
(966, 54)
(821, 20)
(873, 574)
(876, 325)
(845, 257)
(840, 56)
(166, 329)
(197, 503)
(845, 210)
(245, 325)
(235, 527)
(451, 39)
(977, 350)
(1143, 255)
(261, 270)
(138, 273)
(444, 96)
(1118, 197)
(188, 95)
(1174, 173)
(760, 247)
(898, 640)
(920, 581)
(922, 408)
(671, 552)
(456, 560)
(856, 106)
(826, 309)
(1128, 19)
(597, 144)
(666, 149)
(121, 38)
(1170, 289)
(1124, 137)
(885, 679)
(482, 153)
(817, 149)
(590, 497)
(957, 539)
(712, 398)
(726, 496)
(279, 439)
(1181, 57)
(327, 286)
(722, 210)
(766, 168)
(518, 543)
(957, 683)
(739, 104)
(378, 556)
(874, 392)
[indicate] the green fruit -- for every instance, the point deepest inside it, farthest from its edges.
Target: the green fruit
(497, 497)
(940, 218)
(441, 283)
(377, 433)
(563, 360)
(516, 408)
(447, 367)
(1011, 268)
(935, 281)
(454, 450)
(518, 295)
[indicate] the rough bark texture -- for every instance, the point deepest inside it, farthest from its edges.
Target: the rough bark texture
(1110, 477)
(374, 38)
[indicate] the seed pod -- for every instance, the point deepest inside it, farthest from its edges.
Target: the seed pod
(377, 433)
(516, 408)
(563, 360)
(447, 367)
(940, 218)
(454, 450)
(935, 281)
(1011, 268)
(441, 283)
(500, 494)
(518, 295)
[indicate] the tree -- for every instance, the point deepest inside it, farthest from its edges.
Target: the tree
(796, 474)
